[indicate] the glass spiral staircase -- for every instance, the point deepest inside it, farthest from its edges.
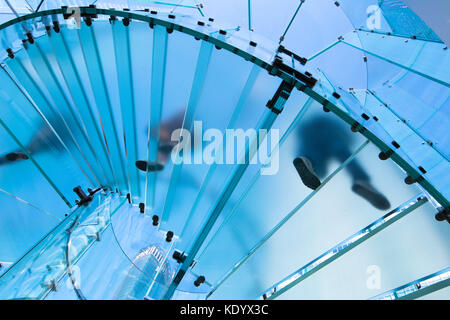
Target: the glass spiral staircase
(86, 92)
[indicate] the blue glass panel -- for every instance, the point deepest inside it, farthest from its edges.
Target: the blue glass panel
(223, 102)
(216, 176)
(419, 287)
(404, 21)
(378, 264)
(41, 63)
(101, 91)
(411, 54)
(26, 226)
(242, 230)
(37, 140)
(159, 59)
(68, 60)
(125, 80)
(343, 247)
(39, 270)
(285, 235)
(197, 87)
(180, 70)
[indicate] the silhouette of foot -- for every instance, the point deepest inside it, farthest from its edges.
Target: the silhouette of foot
(365, 190)
(149, 166)
(306, 172)
(13, 156)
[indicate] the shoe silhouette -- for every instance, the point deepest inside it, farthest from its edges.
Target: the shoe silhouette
(306, 172)
(149, 166)
(13, 156)
(365, 190)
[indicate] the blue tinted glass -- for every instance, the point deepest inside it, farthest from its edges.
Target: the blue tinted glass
(238, 157)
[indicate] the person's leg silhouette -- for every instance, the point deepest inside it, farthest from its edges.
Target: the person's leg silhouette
(361, 184)
(323, 138)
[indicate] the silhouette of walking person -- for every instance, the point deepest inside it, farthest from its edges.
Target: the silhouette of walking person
(323, 139)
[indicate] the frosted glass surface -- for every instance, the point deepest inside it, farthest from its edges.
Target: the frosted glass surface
(79, 107)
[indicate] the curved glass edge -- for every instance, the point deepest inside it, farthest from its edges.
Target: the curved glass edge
(343, 247)
(378, 136)
(246, 49)
(391, 16)
(418, 288)
(242, 42)
(150, 281)
(387, 127)
(40, 269)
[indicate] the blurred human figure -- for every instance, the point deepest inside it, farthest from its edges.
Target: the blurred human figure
(165, 144)
(43, 141)
(323, 139)
(13, 156)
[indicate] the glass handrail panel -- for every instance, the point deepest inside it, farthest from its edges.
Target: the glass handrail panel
(365, 14)
(121, 37)
(343, 247)
(106, 273)
(415, 55)
(180, 70)
(37, 141)
(195, 162)
(354, 103)
(264, 125)
(122, 266)
(97, 76)
(378, 265)
(282, 190)
(416, 146)
(37, 56)
(40, 269)
(405, 21)
(411, 140)
(28, 223)
(67, 54)
(22, 69)
(158, 77)
(414, 99)
(100, 265)
(418, 288)
(196, 90)
(424, 107)
(305, 229)
(154, 243)
(410, 96)
(261, 93)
